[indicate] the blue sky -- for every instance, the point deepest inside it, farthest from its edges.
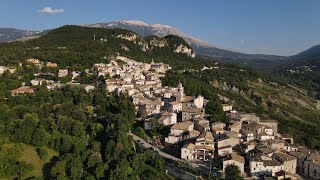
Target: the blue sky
(281, 27)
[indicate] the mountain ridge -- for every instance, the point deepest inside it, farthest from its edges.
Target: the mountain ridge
(312, 52)
(200, 47)
(90, 45)
(11, 34)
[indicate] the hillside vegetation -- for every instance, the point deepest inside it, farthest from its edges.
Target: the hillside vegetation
(75, 46)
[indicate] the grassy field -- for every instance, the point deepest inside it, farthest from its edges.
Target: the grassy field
(30, 156)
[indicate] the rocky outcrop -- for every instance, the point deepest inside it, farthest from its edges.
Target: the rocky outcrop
(185, 50)
(158, 42)
(135, 39)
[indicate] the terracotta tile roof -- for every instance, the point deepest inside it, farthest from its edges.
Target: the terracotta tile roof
(234, 157)
(190, 146)
(206, 135)
(299, 155)
(217, 129)
(271, 163)
(253, 125)
(192, 110)
(204, 141)
(225, 138)
(162, 118)
(219, 124)
(25, 89)
(265, 149)
(202, 121)
(275, 141)
(233, 134)
(182, 125)
(187, 99)
(194, 133)
(282, 157)
(235, 125)
(174, 103)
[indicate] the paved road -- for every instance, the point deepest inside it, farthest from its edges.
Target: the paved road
(171, 168)
(147, 145)
(180, 173)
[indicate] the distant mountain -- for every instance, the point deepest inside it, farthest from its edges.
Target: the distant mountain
(200, 47)
(144, 29)
(11, 34)
(309, 57)
(311, 53)
(304, 69)
(87, 46)
(305, 64)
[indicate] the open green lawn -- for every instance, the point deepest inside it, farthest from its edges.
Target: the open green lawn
(30, 156)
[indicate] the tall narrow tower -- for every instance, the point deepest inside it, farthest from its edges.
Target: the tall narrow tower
(94, 37)
(180, 92)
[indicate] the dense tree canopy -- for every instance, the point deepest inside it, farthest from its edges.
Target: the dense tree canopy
(233, 173)
(91, 144)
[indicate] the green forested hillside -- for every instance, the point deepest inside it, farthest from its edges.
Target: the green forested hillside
(75, 46)
(88, 130)
(305, 73)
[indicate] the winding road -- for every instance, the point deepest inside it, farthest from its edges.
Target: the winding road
(170, 167)
(146, 145)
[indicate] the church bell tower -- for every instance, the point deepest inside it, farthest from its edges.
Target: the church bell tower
(180, 92)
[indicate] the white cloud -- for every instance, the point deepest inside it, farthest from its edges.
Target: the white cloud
(50, 10)
(242, 41)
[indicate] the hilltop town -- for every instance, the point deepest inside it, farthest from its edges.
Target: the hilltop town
(246, 140)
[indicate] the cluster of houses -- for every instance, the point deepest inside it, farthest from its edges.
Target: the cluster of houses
(245, 141)
(38, 80)
(252, 144)
(11, 70)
